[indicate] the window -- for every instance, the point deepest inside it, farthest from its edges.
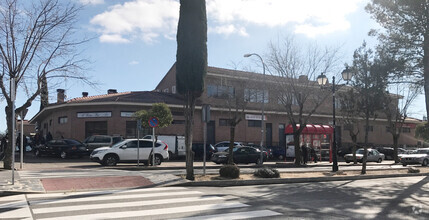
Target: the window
(130, 129)
(255, 95)
(348, 127)
(178, 122)
(95, 127)
(173, 89)
(370, 128)
(406, 130)
(388, 129)
(62, 120)
(284, 99)
(223, 122)
(218, 91)
(254, 123)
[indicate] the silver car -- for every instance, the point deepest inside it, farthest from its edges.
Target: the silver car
(420, 157)
(373, 156)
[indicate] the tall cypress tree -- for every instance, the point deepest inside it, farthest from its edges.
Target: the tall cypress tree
(191, 65)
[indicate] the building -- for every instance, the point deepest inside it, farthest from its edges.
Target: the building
(227, 91)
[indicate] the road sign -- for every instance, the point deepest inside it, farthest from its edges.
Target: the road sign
(153, 122)
(139, 125)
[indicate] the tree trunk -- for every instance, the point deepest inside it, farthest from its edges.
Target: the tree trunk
(189, 115)
(354, 140)
(7, 162)
(297, 149)
(231, 145)
(365, 147)
(395, 148)
(426, 70)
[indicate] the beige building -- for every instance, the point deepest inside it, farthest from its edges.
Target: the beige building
(112, 113)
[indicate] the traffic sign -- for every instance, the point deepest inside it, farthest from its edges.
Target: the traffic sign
(153, 122)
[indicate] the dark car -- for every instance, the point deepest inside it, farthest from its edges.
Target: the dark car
(265, 149)
(199, 150)
(278, 152)
(240, 155)
(96, 141)
(389, 152)
(63, 148)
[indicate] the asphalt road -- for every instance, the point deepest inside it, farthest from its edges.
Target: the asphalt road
(392, 198)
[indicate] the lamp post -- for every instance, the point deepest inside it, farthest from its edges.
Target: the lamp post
(322, 80)
(263, 102)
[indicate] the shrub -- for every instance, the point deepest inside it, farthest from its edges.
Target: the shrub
(267, 173)
(413, 170)
(229, 171)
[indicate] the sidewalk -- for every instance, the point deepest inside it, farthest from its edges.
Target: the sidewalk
(140, 179)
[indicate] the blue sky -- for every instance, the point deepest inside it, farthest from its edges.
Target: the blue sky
(134, 41)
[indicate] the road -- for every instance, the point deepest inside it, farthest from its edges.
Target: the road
(395, 198)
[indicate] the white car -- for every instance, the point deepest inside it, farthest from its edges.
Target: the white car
(420, 157)
(373, 155)
(126, 151)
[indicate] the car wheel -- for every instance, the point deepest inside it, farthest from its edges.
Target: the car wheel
(404, 164)
(158, 160)
(63, 154)
(425, 162)
(110, 160)
(281, 157)
(379, 160)
(259, 162)
(347, 161)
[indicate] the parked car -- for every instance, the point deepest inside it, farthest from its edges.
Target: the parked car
(126, 151)
(199, 150)
(62, 147)
(265, 149)
(240, 155)
(222, 146)
(96, 141)
(389, 151)
(420, 157)
(278, 152)
(373, 156)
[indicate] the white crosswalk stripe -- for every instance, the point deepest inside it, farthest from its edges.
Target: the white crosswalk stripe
(148, 203)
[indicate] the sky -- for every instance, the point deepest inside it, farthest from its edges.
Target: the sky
(134, 41)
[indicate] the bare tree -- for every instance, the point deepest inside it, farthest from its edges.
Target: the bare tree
(396, 113)
(298, 92)
(37, 42)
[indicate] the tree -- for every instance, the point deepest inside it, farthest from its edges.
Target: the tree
(191, 65)
(297, 90)
(369, 86)
(350, 109)
(405, 37)
(422, 131)
(37, 42)
(396, 113)
(159, 110)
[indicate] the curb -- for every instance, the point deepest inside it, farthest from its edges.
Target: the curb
(224, 183)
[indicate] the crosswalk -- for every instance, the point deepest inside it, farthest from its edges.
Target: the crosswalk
(147, 203)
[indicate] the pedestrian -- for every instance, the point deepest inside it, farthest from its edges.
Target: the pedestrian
(304, 154)
(313, 154)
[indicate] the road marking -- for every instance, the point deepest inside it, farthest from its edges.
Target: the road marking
(124, 204)
(111, 197)
(105, 192)
(153, 212)
(17, 207)
(235, 215)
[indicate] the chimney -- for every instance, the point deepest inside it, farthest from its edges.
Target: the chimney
(84, 94)
(112, 91)
(60, 95)
(303, 78)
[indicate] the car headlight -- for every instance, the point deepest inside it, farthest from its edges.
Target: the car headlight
(97, 152)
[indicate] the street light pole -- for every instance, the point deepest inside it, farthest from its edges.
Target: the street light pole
(263, 104)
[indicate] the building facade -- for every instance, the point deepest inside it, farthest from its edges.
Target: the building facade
(229, 93)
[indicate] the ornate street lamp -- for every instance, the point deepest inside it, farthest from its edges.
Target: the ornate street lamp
(322, 80)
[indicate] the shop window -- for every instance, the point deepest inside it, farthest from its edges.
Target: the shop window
(406, 130)
(388, 129)
(95, 127)
(62, 120)
(131, 129)
(223, 122)
(254, 123)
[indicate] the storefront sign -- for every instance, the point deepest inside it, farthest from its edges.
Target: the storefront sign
(94, 114)
(255, 117)
(127, 114)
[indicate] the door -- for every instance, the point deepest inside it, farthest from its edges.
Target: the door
(211, 133)
(129, 151)
(282, 136)
(240, 155)
(268, 134)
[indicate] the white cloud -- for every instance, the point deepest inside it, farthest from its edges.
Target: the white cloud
(134, 62)
(149, 20)
(143, 19)
(91, 2)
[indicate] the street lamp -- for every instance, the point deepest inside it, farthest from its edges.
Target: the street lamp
(322, 80)
(263, 101)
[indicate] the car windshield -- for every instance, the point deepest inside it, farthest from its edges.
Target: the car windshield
(72, 142)
(422, 151)
(118, 144)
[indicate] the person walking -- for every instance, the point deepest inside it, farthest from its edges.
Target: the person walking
(313, 154)
(304, 154)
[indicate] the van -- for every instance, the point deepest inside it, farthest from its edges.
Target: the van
(96, 141)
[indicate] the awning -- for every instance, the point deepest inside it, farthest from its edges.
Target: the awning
(311, 129)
